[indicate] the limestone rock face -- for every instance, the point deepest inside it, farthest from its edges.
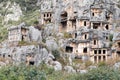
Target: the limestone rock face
(25, 54)
(61, 42)
(41, 56)
(20, 53)
(57, 66)
(49, 30)
(16, 12)
(35, 34)
(86, 2)
(51, 43)
(49, 59)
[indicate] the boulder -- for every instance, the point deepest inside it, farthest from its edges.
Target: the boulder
(51, 43)
(49, 30)
(57, 66)
(116, 65)
(69, 69)
(51, 56)
(35, 35)
(44, 53)
(83, 71)
(41, 56)
(49, 59)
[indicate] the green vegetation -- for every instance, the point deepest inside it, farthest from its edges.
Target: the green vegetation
(100, 64)
(42, 72)
(111, 37)
(3, 33)
(67, 35)
(118, 4)
(23, 43)
(36, 22)
(26, 5)
(21, 73)
(88, 63)
(30, 18)
(101, 73)
(56, 54)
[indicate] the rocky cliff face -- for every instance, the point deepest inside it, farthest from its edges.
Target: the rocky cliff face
(15, 12)
(10, 11)
(35, 54)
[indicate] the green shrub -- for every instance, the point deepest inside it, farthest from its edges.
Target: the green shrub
(103, 73)
(111, 37)
(62, 61)
(56, 54)
(67, 35)
(36, 22)
(21, 72)
(46, 69)
(110, 45)
(42, 72)
(3, 34)
(22, 43)
(102, 64)
(88, 63)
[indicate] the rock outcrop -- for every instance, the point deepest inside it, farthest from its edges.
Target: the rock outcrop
(116, 65)
(24, 54)
(35, 35)
(51, 43)
(15, 10)
(69, 69)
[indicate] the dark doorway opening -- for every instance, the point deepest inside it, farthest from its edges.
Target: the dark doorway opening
(107, 27)
(64, 19)
(75, 35)
(95, 42)
(93, 14)
(99, 51)
(119, 44)
(104, 51)
(69, 49)
(85, 50)
(31, 63)
(95, 51)
(96, 25)
(99, 58)
(95, 58)
(84, 23)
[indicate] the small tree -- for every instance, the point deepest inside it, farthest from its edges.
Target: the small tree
(36, 22)
(56, 54)
(111, 37)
